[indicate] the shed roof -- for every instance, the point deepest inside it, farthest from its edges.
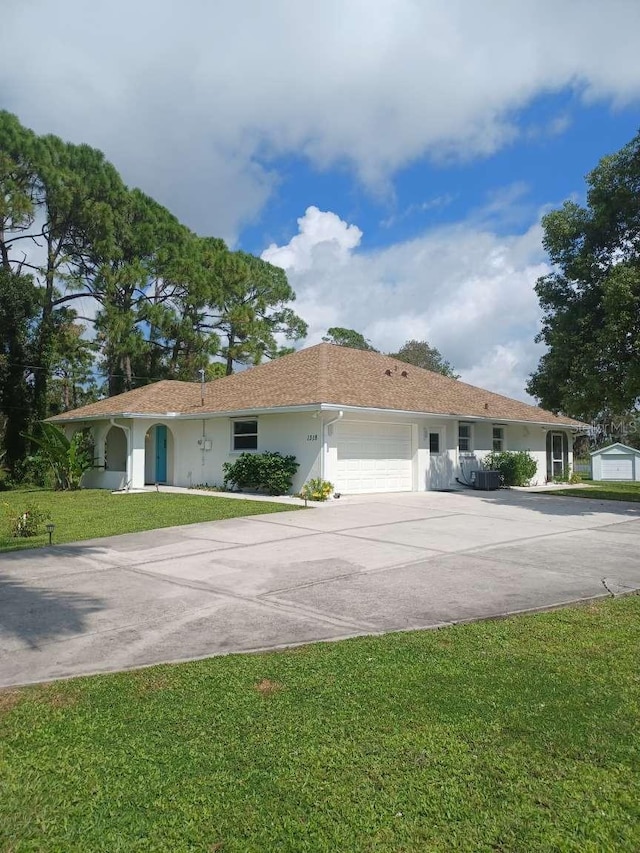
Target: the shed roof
(616, 449)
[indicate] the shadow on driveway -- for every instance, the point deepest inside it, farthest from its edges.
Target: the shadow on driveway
(35, 614)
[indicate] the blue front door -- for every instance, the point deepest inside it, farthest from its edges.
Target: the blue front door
(161, 454)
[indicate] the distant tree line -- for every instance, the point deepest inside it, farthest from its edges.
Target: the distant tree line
(164, 302)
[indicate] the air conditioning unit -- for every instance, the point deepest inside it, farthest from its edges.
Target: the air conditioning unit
(486, 481)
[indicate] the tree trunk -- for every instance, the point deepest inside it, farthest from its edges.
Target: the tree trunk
(44, 340)
(66, 397)
(231, 341)
(126, 366)
(16, 399)
(42, 360)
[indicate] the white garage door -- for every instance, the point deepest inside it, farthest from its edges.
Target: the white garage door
(617, 468)
(373, 458)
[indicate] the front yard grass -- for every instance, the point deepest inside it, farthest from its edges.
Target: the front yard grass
(515, 735)
(92, 513)
(604, 491)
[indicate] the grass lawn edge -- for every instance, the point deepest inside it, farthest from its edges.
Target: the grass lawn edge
(283, 647)
(92, 514)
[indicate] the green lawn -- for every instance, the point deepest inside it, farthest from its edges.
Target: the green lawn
(91, 513)
(519, 735)
(601, 491)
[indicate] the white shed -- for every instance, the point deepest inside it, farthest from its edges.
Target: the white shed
(616, 462)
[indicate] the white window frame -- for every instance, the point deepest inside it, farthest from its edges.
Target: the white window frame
(502, 439)
(469, 451)
(235, 449)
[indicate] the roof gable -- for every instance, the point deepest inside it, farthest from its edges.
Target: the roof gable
(616, 449)
(323, 374)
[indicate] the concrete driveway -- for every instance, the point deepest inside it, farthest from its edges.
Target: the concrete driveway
(357, 566)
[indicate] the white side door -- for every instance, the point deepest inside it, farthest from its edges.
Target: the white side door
(440, 468)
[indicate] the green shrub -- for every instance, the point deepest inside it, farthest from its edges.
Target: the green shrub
(5, 482)
(316, 489)
(269, 471)
(27, 522)
(516, 467)
(67, 458)
(568, 476)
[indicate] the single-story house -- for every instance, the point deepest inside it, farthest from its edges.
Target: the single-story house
(364, 421)
(616, 462)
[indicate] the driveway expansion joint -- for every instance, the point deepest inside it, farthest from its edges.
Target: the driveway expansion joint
(223, 593)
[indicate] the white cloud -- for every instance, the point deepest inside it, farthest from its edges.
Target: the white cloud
(464, 289)
(504, 368)
(191, 99)
(324, 239)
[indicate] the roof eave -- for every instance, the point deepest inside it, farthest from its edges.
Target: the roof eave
(307, 407)
(333, 407)
(193, 415)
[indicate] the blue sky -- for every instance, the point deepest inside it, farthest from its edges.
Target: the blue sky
(394, 156)
(545, 169)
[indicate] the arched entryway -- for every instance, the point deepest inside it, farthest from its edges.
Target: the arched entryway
(158, 455)
(115, 450)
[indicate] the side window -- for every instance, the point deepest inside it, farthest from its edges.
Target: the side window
(434, 442)
(245, 435)
(498, 439)
(464, 438)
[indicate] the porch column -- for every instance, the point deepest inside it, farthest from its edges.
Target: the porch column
(99, 431)
(135, 457)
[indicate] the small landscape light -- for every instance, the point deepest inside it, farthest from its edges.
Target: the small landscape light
(50, 528)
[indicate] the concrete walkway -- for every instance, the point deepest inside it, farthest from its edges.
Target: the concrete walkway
(357, 566)
(242, 496)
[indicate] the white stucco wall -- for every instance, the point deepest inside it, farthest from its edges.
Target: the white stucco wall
(443, 471)
(517, 436)
(529, 437)
(198, 448)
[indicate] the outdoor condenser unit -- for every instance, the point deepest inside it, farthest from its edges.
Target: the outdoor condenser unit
(486, 481)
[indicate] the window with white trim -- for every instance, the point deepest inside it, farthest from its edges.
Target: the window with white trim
(498, 438)
(244, 435)
(465, 438)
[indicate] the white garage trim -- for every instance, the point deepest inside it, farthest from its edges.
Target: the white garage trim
(373, 457)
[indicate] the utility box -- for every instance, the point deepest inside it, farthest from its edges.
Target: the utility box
(486, 481)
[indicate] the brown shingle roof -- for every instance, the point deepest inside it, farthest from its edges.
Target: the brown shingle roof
(324, 373)
(165, 396)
